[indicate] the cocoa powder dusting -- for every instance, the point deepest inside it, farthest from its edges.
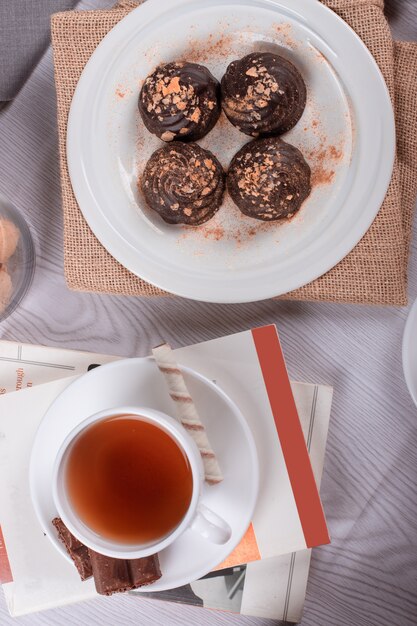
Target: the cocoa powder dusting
(335, 153)
(284, 30)
(203, 51)
(213, 232)
(321, 176)
(242, 233)
(322, 161)
(121, 92)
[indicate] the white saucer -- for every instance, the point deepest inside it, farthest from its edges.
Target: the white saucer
(139, 382)
(410, 352)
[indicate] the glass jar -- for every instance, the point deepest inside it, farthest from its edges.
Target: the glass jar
(17, 258)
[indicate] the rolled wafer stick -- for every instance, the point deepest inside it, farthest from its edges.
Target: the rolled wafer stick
(186, 410)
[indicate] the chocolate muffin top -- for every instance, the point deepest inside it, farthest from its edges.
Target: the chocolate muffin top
(180, 101)
(183, 183)
(263, 94)
(268, 179)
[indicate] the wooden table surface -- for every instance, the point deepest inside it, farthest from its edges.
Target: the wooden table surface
(368, 575)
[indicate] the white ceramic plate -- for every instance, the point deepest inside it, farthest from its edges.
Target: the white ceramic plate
(410, 352)
(346, 133)
(138, 382)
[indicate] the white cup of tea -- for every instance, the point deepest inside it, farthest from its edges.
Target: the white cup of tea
(128, 481)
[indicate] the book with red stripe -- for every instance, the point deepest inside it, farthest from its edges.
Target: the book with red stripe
(250, 368)
(290, 434)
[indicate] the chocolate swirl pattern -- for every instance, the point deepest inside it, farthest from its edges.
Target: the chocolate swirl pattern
(263, 94)
(183, 183)
(180, 101)
(269, 179)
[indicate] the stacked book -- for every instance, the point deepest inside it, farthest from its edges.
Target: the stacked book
(266, 575)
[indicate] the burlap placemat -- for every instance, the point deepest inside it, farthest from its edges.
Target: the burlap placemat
(375, 272)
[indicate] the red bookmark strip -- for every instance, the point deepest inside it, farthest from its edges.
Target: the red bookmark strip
(5, 571)
(291, 436)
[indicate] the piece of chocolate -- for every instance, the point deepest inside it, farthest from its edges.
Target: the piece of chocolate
(183, 183)
(77, 551)
(263, 94)
(110, 575)
(118, 575)
(268, 179)
(180, 101)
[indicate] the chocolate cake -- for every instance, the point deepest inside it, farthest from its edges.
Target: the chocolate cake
(183, 183)
(263, 94)
(180, 101)
(268, 179)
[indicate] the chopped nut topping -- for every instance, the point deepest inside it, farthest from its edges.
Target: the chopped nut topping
(173, 87)
(167, 136)
(195, 117)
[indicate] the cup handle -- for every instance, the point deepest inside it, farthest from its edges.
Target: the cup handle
(211, 526)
